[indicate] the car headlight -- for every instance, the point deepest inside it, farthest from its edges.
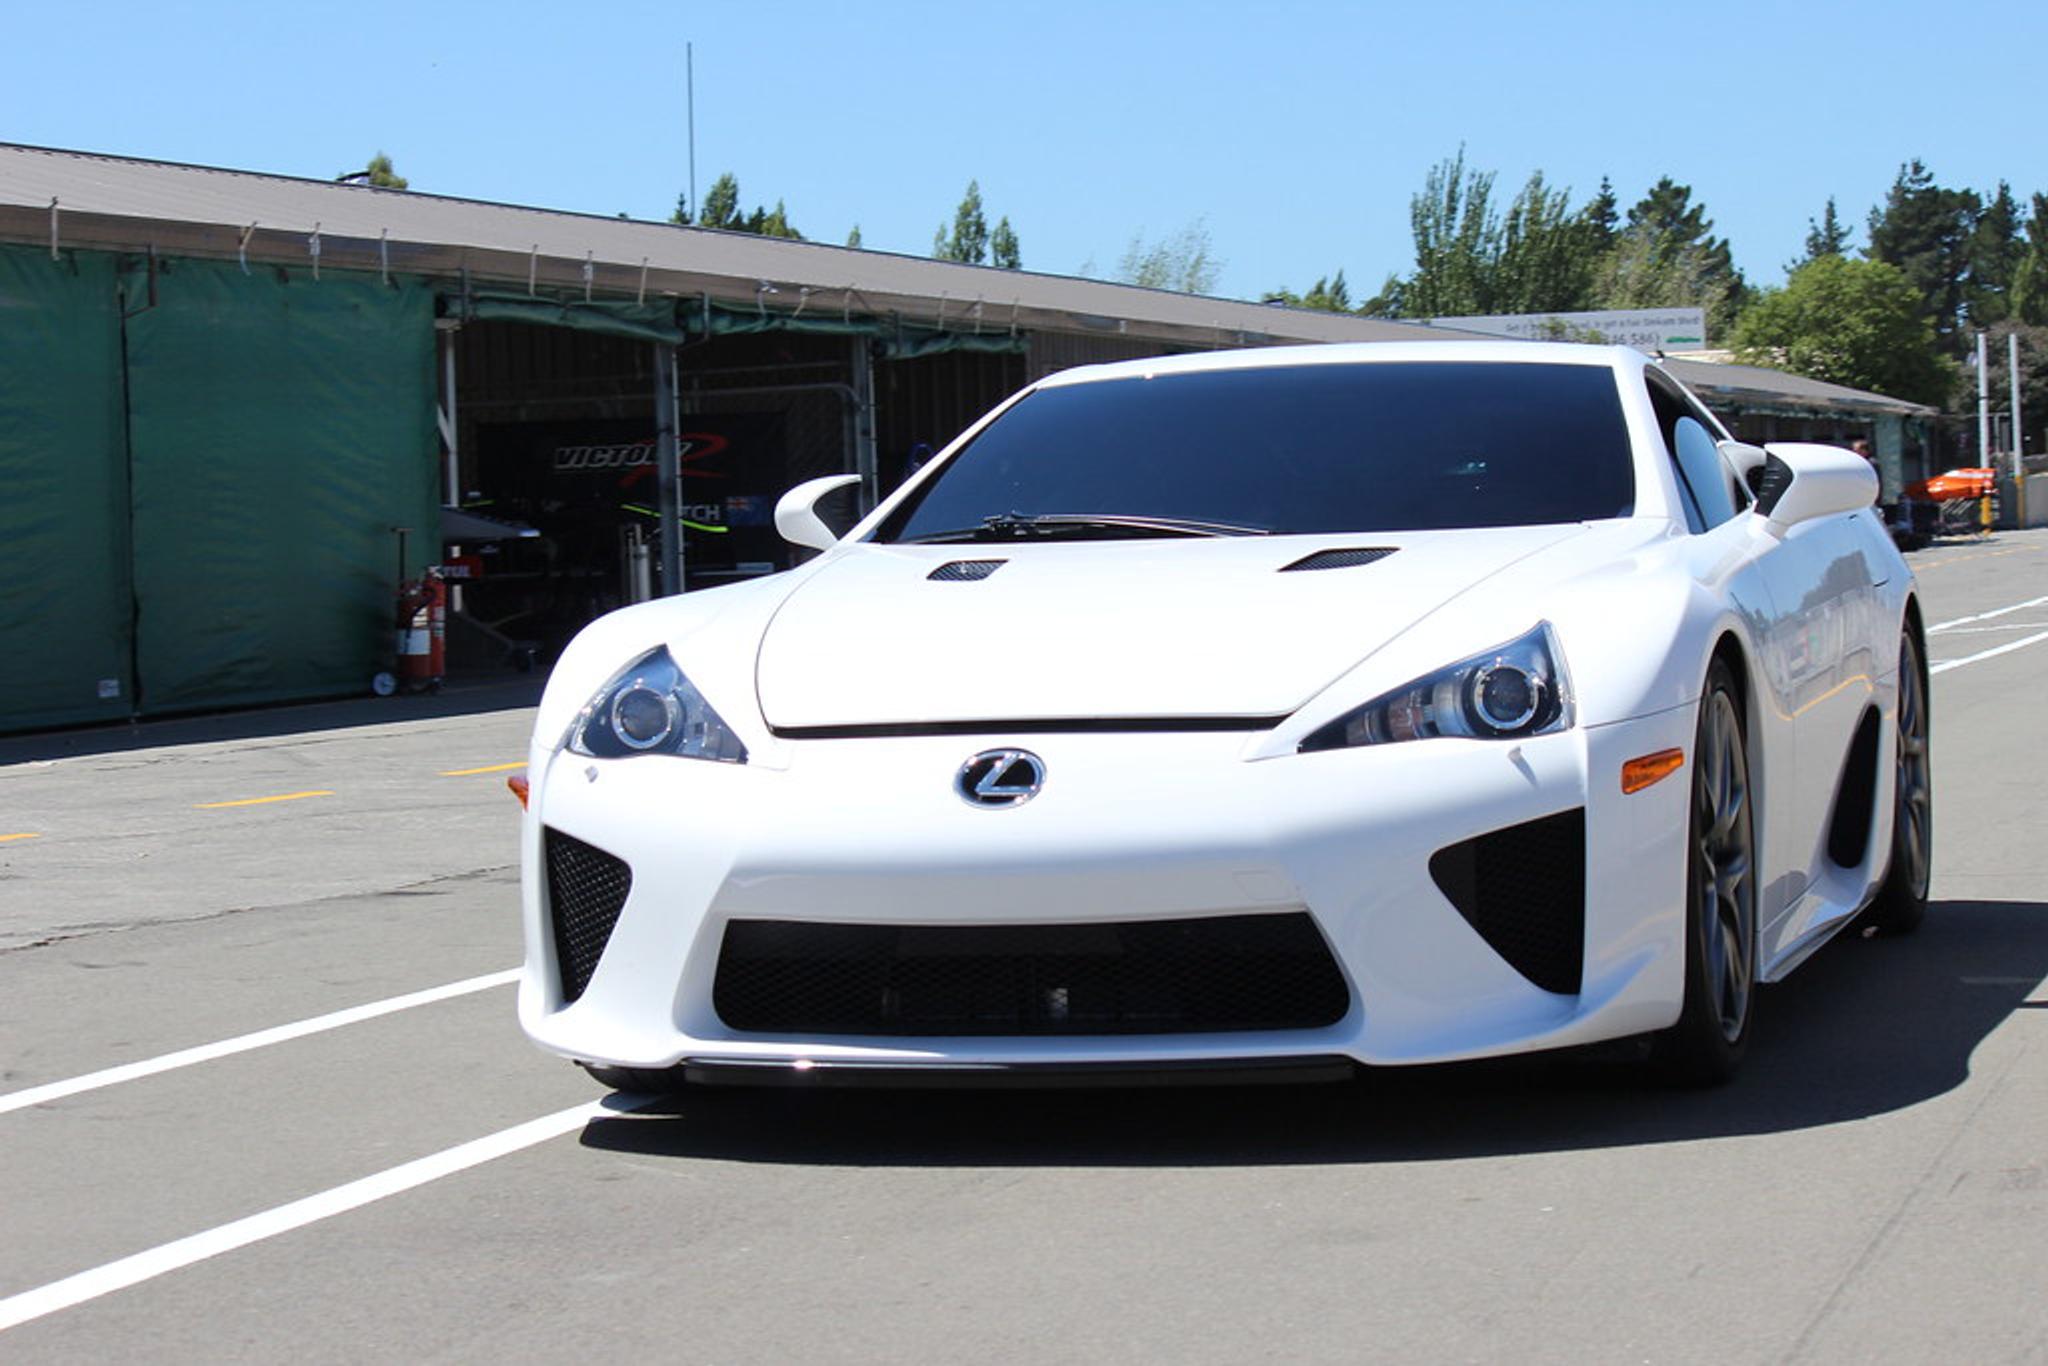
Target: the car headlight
(649, 707)
(1506, 693)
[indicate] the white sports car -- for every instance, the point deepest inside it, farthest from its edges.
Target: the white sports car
(1268, 712)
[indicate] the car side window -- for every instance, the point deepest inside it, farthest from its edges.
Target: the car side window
(1706, 482)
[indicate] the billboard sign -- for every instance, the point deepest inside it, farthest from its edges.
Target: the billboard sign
(1646, 329)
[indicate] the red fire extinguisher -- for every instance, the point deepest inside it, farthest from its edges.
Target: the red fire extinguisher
(423, 631)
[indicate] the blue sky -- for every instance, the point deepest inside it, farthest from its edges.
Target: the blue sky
(1297, 132)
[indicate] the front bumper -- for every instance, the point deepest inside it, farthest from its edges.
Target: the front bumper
(1128, 827)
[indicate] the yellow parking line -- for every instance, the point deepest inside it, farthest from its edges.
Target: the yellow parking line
(260, 801)
(30, 835)
(472, 772)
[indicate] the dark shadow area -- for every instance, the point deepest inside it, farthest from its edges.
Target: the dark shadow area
(460, 697)
(1867, 1027)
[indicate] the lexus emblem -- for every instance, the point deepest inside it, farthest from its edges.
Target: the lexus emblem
(1000, 777)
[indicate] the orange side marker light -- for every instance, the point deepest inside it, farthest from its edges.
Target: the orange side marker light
(517, 782)
(1638, 774)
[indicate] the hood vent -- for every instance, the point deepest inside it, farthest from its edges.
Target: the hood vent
(1337, 559)
(965, 571)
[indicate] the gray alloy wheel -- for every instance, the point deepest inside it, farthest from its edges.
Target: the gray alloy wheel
(1712, 1033)
(1901, 902)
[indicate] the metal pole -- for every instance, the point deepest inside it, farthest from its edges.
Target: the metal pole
(451, 432)
(2019, 439)
(864, 457)
(690, 85)
(668, 464)
(1983, 405)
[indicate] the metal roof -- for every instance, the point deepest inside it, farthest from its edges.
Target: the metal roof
(1756, 386)
(85, 199)
(128, 204)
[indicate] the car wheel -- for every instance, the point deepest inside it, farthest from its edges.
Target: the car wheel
(1706, 1045)
(652, 1081)
(1901, 901)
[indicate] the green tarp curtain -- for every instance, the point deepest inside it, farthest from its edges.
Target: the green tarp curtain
(65, 603)
(676, 321)
(279, 428)
(909, 343)
(196, 500)
(655, 322)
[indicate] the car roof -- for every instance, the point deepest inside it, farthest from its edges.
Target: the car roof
(1357, 353)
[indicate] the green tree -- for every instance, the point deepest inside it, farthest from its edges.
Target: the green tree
(772, 223)
(1602, 217)
(681, 214)
(1828, 237)
(1640, 271)
(1668, 257)
(377, 172)
(1859, 323)
(1003, 248)
(853, 238)
(968, 240)
(1330, 294)
(1457, 243)
(1183, 261)
(721, 209)
(1539, 256)
(1547, 254)
(721, 206)
(1996, 250)
(2030, 278)
(1924, 230)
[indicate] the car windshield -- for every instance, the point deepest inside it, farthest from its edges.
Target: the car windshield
(1319, 448)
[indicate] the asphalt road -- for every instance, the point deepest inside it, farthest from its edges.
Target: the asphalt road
(408, 1179)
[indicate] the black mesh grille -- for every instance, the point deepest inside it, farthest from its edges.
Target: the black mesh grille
(1339, 559)
(1140, 977)
(1524, 890)
(586, 889)
(965, 571)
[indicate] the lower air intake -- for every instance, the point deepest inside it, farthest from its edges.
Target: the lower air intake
(586, 890)
(1207, 975)
(1524, 890)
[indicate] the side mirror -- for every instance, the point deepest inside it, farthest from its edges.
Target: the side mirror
(1746, 460)
(796, 512)
(1802, 481)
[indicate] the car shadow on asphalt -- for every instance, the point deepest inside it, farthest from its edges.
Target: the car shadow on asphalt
(1867, 1027)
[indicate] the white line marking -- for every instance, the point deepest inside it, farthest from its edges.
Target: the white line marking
(262, 1038)
(2002, 626)
(1986, 616)
(2006, 648)
(16, 1310)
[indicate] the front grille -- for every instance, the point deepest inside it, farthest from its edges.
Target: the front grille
(586, 890)
(1524, 890)
(1205, 975)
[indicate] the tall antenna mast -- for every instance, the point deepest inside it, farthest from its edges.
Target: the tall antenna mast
(690, 86)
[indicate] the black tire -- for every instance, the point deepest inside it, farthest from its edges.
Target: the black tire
(653, 1081)
(1706, 1046)
(1901, 901)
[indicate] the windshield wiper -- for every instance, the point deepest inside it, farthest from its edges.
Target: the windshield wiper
(1018, 526)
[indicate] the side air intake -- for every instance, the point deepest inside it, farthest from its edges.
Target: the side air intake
(1523, 888)
(965, 571)
(586, 891)
(1339, 559)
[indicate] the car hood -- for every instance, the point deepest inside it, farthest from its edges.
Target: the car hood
(1116, 630)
